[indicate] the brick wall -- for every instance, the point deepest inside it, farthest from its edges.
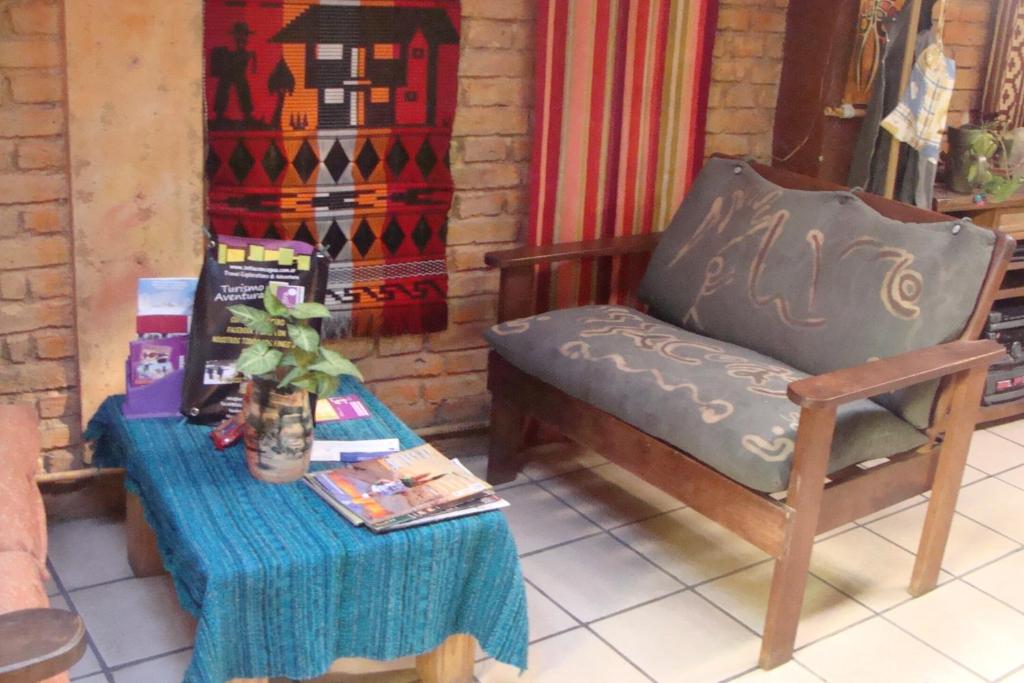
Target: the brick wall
(748, 62)
(968, 38)
(37, 339)
(427, 379)
(440, 378)
(745, 73)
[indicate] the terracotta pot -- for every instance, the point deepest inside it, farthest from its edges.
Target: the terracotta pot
(278, 431)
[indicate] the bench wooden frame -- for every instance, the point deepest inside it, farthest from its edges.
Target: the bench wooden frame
(784, 529)
(450, 662)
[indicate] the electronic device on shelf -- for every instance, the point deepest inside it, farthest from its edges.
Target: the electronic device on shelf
(1005, 380)
(1005, 317)
(1004, 383)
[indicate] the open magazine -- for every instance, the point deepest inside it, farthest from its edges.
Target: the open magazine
(404, 489)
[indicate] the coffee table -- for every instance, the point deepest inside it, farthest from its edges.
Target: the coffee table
(281, 585)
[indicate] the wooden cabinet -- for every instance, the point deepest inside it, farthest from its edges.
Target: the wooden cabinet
(1008, 217)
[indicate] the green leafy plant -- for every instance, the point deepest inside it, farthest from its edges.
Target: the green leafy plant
(306, 365)
(989, 168)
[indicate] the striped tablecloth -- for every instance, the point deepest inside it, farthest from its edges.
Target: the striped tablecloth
(281, 585)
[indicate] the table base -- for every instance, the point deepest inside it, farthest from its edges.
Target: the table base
(450, 662)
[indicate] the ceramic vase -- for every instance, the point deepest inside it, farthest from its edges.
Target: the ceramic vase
(278, 431)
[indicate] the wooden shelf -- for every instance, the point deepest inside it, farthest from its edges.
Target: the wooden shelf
(1016, 265)
(1000, 411)
(1010, 293)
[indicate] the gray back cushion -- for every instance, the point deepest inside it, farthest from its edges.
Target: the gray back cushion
(818, 280)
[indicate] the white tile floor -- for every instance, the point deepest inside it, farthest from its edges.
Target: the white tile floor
(624, 585)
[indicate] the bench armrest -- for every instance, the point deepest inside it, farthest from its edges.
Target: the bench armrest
(896, 372)
(572, 251)
(36, 644)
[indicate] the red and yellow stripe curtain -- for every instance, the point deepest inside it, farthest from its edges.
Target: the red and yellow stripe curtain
(619, 126)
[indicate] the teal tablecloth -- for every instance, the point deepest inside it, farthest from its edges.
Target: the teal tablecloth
(281, 585)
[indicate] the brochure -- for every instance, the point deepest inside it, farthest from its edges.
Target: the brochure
(406, 488)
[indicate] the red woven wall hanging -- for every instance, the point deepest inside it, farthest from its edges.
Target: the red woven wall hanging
(331, 123)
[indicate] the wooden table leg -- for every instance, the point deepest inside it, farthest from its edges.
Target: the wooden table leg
(451, 662)
(143, 555)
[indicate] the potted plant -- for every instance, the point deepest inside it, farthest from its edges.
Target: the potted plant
(277, 413)
(980, 161)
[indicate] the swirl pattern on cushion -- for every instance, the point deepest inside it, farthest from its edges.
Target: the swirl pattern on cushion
(724, 404)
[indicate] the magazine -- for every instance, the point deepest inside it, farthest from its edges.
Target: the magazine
(411, 487)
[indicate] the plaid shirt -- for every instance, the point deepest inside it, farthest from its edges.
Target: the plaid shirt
(920, 117)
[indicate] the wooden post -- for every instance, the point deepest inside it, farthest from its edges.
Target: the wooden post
(143, 555)
(516, 293)
(967, 388)
(806, 488)
(908, 64)
(508, 425)
(450, 662)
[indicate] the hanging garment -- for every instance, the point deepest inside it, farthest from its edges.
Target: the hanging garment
(920, 118)
(871, 151)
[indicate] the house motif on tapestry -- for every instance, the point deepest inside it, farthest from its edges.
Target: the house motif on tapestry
(372, 66)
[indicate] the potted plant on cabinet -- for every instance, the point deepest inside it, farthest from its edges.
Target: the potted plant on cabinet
(980, 161)
(277, 412)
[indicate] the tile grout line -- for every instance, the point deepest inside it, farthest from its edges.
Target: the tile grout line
(1006, 676)
(104, 669)
(882, 613)
(100, 584)
(613, 536)
(150, 658)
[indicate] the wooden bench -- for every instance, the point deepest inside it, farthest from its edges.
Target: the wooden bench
(544, 365)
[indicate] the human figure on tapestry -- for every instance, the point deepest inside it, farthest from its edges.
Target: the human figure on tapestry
(231, 68)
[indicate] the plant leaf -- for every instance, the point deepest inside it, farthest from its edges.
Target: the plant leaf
(290, 378)
(258, 359)
(305, 337)
(273, 305)
(326, 385)
(296, 357)
(305, 382)
(256, 320)
(309, 310)
(334, 364)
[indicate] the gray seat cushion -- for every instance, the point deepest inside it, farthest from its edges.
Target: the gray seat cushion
(819, 280)
(723, 404)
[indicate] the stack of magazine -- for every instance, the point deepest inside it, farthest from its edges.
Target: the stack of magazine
(404, 489)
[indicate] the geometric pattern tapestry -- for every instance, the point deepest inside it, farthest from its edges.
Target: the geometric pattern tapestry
(1004, 85)
(618, 135)
(330, 123)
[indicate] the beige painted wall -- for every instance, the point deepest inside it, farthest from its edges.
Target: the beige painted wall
(135, 129)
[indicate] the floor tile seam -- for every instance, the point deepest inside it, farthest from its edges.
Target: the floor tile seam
(1010, 483)
(559, 474)
(957, 512)
(931, 647)
(553, 546)
(559, 605)
(994, 597)
(989, 563)
(104, 668)
(150, 658)
(1005, 438)
(78, 589)
(622, 655)
(705, 582)
(995, 531)
(1018, 670)
(619, 612)
(727, 613)
(609, 533)
(640, 520)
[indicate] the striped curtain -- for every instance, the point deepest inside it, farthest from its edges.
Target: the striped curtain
(619, 127)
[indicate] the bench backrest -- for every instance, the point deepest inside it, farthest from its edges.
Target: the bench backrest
(819, 280)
